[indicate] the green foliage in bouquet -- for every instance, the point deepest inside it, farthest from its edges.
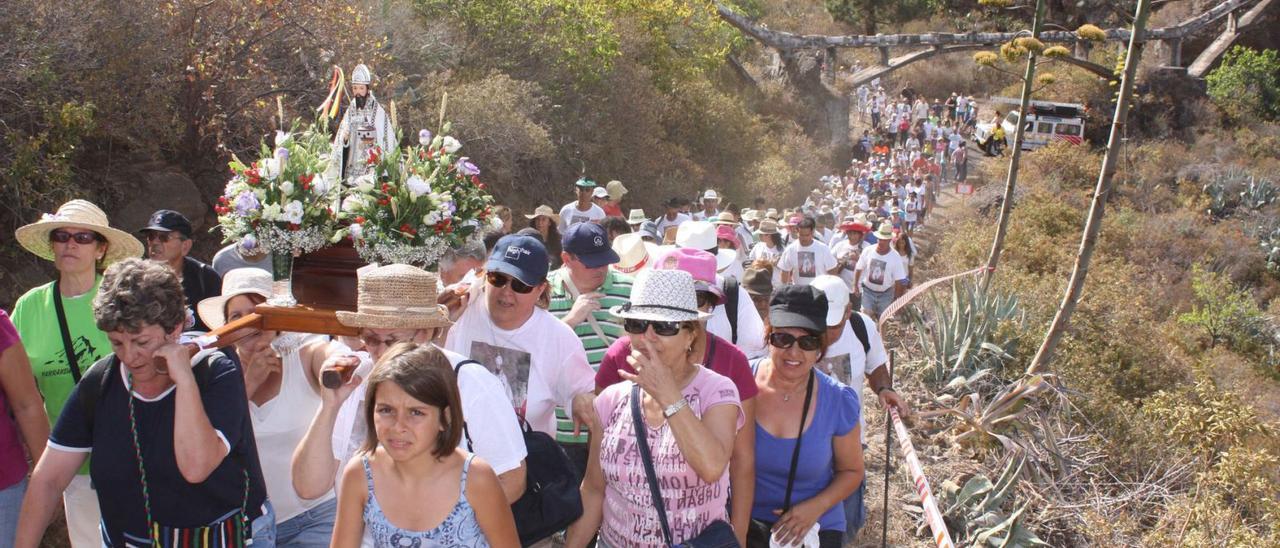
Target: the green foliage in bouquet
(283, 201)
(417, 202)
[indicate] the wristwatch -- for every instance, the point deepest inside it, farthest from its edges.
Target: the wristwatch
(674, 408)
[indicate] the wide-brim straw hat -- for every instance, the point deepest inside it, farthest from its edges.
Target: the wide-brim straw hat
(616, 190)
(544, 211)
(662, 295)
(702, 235)
(633, 254)
(885, 232)
(726, 218)
(396, 296)
(636, 217)
(239, 281)
(768, 226)
(78, 214)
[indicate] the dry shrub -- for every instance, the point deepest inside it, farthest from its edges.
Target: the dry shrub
(1062, 166)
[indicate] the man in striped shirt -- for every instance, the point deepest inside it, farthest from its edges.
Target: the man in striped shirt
(582, 292)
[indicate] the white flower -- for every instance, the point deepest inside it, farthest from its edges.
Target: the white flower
(286, 188)
(283, 138)
(293, 212)
(320, 185)
(450, 144)
(270, 168)
(356, 231)
(431, 218)
(261, 194)
(417, 186)
(271, 212)
(351, 204)
(364, 182)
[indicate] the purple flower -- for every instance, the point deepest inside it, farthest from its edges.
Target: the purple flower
(247, 202)
(249, 242)
(283, 154)
(466, 168)
(424, 137)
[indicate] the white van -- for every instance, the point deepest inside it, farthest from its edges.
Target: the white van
(1047, 123)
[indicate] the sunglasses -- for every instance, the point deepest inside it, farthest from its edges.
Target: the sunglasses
(785, 340)
(638, 327)
(500, 280)
(162, 237)
(82, 238)
(707, 298)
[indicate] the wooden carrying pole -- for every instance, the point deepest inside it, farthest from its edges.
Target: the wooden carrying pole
(296, 319)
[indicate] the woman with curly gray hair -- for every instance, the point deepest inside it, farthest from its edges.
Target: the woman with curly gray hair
(174, 460)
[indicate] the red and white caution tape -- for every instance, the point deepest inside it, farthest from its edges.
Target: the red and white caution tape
(916, 291)
(931, 514)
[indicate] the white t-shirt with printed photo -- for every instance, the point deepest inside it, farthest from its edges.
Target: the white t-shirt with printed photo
(570, 215)
(845, 249)
(880, 272)
(806, 262)
(849, 364)
(541, 364)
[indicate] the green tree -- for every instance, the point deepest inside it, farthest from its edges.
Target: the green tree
(869, 15)
(1247, 84)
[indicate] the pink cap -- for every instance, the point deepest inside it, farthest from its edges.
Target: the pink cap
(698, 263)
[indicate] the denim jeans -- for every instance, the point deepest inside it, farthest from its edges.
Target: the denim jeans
(855, 512)
(264, 527)
(313, 527)
(10, 505)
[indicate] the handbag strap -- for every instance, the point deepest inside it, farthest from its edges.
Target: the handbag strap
(67, 346)
(795, 453)
(642, 442)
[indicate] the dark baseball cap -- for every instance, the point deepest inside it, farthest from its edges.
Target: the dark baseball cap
(802, 306)
(168, 220)
(522, 257)
(589, 242)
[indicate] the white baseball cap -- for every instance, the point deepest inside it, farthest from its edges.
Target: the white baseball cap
(837, 296)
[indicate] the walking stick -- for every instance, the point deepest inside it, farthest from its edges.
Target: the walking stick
(888, 454)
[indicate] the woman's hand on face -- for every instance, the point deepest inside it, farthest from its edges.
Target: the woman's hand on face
(792, 526)
(654, 378)
(177, 361)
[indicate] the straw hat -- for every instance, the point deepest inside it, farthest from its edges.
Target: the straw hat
(726, 218)
(771, 213)
(885, 232)
(544, 211)
(702, 235)
(633, 255)
(396, 296)
(662, 295)
(636, 216)
(615, 189)
(768, 226)
(78, 214)
(239, 281)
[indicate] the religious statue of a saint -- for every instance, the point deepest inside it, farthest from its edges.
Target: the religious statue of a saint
(364, 125)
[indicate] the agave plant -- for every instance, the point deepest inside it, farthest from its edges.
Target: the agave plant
(963, 339)
(975, 512)
(1270, 242)
(1258, 193)
(982, 420)
(1234, 188)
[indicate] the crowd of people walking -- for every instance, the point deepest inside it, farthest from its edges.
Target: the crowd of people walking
(594, 377)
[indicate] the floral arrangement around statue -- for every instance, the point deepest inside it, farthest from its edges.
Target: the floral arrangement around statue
(417, 203)
(283, 202)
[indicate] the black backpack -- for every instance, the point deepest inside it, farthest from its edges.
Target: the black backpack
(860, 329)
(551, 501)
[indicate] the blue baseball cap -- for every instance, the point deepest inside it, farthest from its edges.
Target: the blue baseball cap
(589, 242)
(521, 257)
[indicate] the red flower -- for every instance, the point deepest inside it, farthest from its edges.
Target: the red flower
(384, 201)
(374, 153)
(475, 180)
(386, 188)
(360, 219)
(306, 179)
(294, 227)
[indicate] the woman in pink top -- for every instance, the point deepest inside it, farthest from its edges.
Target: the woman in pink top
(31, 428)
(691, 417)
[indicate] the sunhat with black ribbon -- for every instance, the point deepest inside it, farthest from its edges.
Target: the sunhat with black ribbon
(662, 295)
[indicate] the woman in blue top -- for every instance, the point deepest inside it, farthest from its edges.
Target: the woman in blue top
(829, 443)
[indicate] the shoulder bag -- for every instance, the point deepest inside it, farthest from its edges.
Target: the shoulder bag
(717, 534)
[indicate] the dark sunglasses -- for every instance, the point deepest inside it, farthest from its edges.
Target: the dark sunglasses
(785, 340)
(162, 237)
(707, 298)
(500, 280)
(638, 327)
(82, 238)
